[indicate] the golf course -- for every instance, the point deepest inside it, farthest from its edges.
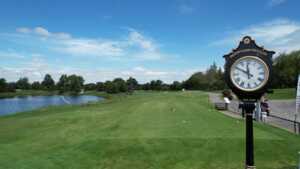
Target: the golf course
(146, 130)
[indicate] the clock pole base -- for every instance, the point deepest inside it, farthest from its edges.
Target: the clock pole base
(249, 107)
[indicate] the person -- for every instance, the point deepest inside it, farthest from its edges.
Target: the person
(265, 109)
(241, 107)
(227, 102)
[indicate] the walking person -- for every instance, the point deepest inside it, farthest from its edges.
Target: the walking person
(265, 109)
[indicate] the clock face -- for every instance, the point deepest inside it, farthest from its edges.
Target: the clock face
(249, 73)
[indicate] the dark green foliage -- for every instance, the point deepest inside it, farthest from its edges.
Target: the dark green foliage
(36, 86)
(23, 83)
(3, 85)
(110, 87)
(120, 85)
(100, 86)
(212, 79)
(48, 83)
(146, 86)
(90, 86)
(132, 84)
(62, 84)
(72, 83)
(176, 86)
(286, 69)
(11, 87)
(75, 83)
(156, 85)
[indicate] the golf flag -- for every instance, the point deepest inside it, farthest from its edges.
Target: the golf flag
(298, 97)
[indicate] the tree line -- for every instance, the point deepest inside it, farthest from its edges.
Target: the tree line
(286, 68)
(72, 84)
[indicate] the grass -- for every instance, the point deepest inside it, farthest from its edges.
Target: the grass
(22, 93)
(280, 94)
(164, 130)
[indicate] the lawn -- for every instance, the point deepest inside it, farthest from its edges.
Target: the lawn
(283, 94)
(163, 130)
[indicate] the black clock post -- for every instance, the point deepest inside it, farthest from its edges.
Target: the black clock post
(248, 73)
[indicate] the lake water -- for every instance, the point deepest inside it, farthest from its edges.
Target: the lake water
(21, 104)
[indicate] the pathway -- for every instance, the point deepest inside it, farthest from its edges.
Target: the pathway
(281, 108)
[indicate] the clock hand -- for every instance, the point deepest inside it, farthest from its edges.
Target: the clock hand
(248, 71)
(244, 71)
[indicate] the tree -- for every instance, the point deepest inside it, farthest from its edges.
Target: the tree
(286, 70)
(75, 83)
(100, 86)
(110, 87)
(211, 79)
(11, 87)
(23, 83)
(156, 85)
(132, 84)
(196, 82)
(90, 86)
(62, 84)
(3, 85)
(48, 83)
(36, 85)
(146, 86)
(176, 86)
(120, 84)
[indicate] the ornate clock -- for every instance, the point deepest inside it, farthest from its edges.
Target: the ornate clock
(248, 70)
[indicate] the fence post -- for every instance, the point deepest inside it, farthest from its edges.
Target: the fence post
(299, 160)
(299, 129)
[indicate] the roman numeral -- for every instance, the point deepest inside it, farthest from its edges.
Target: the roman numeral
(260, 79)
(242, 84)
(249, 86)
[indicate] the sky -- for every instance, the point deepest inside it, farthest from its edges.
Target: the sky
(148, 40)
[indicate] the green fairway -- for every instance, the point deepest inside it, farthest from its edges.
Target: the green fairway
(281, 94)
(164, 130)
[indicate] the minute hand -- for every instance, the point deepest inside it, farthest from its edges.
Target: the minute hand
(244, 71)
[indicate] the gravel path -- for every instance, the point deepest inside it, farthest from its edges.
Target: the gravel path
(280, 108)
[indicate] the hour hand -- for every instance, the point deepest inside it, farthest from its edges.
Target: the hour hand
(244, 71)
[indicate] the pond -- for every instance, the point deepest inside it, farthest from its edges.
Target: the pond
(21, 104)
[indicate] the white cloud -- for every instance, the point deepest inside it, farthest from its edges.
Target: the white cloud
(135, 45)
(42, 31)
(137, 38)
(62, 35)
(273, 3)
(37, 68)
(281, 35)
(185, 9)
(23, 30)
(90, 47)
(11, 55)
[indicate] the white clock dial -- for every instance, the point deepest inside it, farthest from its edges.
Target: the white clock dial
(249, 73)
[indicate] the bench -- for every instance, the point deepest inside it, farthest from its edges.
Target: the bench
(221, 106)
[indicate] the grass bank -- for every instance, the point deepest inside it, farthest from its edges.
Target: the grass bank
(282, 94)
(23, 93)
(161, 130)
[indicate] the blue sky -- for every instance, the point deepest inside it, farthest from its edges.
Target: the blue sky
(156, 39)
